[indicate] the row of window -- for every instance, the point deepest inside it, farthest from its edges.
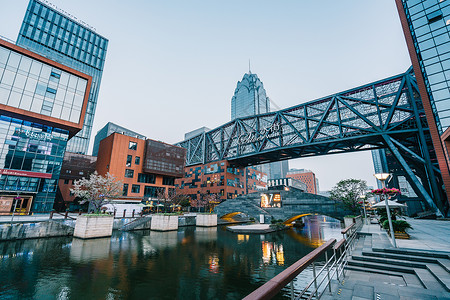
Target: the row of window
(149, 191)
(137, 160)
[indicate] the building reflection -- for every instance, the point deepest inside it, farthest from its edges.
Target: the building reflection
(272, 253)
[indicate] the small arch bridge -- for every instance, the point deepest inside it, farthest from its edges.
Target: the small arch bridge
(294, 205)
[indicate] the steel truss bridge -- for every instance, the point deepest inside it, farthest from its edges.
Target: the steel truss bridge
(383, 114)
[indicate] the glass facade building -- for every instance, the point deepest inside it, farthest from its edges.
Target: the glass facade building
(51, 33)
(426, 25)
(41, 107)
(249, 98)
(429, 22)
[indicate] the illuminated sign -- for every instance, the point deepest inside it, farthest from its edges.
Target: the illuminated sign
(257, 136)
(25, 173)
(271, 200)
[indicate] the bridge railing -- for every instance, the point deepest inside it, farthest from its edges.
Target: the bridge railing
(336, 256)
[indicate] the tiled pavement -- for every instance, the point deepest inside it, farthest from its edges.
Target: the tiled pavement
(418, 269)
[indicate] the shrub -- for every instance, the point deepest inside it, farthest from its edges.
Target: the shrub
(397, 225)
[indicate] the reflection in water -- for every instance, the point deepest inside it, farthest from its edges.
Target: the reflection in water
(191, 263)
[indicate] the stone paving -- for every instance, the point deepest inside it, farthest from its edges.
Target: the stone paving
(389, 273)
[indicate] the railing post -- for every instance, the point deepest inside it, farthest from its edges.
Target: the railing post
(124, 212)
(51, 215)
(336, 263)
(79, 212)
(66, 214)
(292, 290)
(114, 213)
(315, 278)
(328, 271)
(132, 215)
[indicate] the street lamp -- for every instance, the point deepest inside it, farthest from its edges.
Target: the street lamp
(363, 198)
(382, 177)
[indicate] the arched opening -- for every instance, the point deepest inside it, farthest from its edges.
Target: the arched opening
(236, 216)
(290, 221)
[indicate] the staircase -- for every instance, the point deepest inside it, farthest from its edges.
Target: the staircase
(393, 273)
(135, 223)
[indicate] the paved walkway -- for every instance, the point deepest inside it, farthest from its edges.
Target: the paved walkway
(363, 282)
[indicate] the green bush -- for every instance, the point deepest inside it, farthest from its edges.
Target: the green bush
(397, 225)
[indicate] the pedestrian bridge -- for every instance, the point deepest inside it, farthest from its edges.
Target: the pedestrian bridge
(294, 205)
(383, 114)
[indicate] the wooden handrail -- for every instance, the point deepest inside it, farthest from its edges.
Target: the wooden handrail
(339, 244)
(274, 286)
(344, 231)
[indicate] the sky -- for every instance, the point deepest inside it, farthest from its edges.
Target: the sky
(173, 66)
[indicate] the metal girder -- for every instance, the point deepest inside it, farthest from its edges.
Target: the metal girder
(382, 114)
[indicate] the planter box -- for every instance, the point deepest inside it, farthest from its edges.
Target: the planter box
(88, 227)
(164, 223)
(206, 220)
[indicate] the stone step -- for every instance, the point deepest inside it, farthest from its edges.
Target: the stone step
(380, 266)
(441, 275)
(397, 262)
(402, 257)
(429, 280)
(411, 252)
(411, 280)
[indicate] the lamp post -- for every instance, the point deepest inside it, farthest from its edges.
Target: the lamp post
(382, 177)
(363, 198)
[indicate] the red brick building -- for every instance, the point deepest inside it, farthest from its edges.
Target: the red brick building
(146, 167)
(307, 177)
(219, 178)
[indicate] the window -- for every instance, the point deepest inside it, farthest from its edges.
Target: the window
(168, 180)
(66, 181)
(137, 160)
(129, 159)
(125, 189)
(146, 178)
(135, 188)
(129, 173)
(132, 145)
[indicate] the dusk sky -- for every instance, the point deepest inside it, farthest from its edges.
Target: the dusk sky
(172, 66)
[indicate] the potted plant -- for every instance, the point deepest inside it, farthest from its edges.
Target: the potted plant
(97, 190)
(399, 227)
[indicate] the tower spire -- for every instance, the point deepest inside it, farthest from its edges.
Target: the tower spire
(249, 70)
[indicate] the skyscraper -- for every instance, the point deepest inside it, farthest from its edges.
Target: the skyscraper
(250, 99)
(426, 25)
(54, 34)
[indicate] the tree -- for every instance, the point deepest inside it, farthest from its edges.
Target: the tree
(168, 198)
(349, 192)
(207, 201)
(97, 190)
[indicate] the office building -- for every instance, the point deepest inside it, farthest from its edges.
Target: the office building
(306, 176)
(110, 128)
(42, 106)
(52, 33)
(221, 179)
(250, 99)
(426, 26)
(147, 168)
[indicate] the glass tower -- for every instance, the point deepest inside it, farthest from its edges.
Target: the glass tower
(249, 97)
(51, 33)
(426, 25)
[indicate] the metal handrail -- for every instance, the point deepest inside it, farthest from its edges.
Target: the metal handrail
(274, 286)
(334, 266)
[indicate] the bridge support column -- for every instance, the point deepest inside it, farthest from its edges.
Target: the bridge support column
(411, 176)
(261, 219)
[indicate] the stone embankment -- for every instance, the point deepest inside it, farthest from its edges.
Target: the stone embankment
(19, 231)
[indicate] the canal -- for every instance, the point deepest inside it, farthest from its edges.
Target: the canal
(191, 263)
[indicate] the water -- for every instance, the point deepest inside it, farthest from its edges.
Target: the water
(191, 263)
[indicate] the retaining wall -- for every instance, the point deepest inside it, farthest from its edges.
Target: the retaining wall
(20, 231)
